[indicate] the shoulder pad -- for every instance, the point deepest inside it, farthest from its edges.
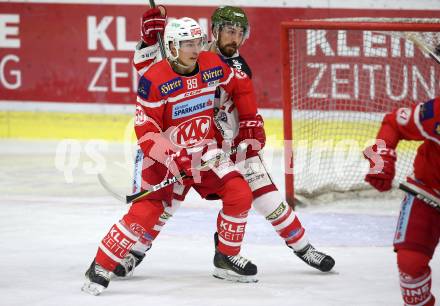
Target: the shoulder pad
(146, 53)
(144, 88)
(239, 63)
(426, 110)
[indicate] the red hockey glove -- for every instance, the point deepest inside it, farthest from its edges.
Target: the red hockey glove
(382, 167)
(153, 22)
(183, 159)
(251, 128)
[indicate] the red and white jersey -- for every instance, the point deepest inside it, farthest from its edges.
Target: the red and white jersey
(176, 111)
(420, 122)
(145, 56)
(226, 116)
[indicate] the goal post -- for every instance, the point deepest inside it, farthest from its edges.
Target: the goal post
(339, 78)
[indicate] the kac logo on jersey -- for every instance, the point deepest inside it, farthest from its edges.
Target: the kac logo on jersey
(213, 74)
(170, 86)
(193, 106)
(144, 88)
(191, 132)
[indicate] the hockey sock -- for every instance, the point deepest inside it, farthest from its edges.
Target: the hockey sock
(230, 233)
(231, 222)
(415, 278)
(283, 219)
(141, 218)
(115, 245)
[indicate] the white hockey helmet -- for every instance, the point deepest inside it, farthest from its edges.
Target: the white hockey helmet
(179, 30)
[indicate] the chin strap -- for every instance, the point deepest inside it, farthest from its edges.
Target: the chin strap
(178, 66)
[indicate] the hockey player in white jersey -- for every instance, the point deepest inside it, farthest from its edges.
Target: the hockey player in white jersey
(230, 29)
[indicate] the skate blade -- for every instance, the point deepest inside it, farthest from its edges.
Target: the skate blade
(233, 277)
(92, 288)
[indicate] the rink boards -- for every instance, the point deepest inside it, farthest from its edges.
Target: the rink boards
(330, 134)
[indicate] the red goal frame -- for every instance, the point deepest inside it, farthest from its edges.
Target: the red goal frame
(401, 26)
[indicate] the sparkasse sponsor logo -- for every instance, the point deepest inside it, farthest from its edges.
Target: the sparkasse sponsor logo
(193, 106)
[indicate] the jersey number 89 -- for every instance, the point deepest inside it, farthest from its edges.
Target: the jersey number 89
(192, 83)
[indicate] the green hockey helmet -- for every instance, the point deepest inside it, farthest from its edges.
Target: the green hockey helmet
(230, 15)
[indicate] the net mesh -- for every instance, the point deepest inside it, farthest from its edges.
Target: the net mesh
(342, 83)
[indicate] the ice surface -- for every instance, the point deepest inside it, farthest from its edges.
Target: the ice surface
(50, 229)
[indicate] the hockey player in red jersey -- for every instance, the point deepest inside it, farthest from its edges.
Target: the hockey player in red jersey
(418, 227)
(175, 130)
(230, 29)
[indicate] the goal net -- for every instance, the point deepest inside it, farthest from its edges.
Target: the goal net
(340, 77)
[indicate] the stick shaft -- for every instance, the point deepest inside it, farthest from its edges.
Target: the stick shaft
(421, 194)
(422, 45)
(159, 37)
(139, 195)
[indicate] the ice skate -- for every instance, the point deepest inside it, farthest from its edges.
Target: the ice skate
(126, 268)
(97, 279)
(315, 259)
(233, 268)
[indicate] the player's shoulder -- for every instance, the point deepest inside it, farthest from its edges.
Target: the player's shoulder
(239, 63)
(212, 68)
(429, 110)
(428, 118)
(160, 77)
(239, 59)
(211, 58)
(423, 112)
(158, 71)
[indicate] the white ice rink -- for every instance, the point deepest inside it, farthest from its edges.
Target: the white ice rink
(50, 229)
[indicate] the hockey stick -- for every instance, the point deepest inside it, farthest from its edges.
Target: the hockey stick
(159, 38)
(412, 36)
(416, 40)
(110, 189)
(139, 195)
(205, 164)
(421, 194)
